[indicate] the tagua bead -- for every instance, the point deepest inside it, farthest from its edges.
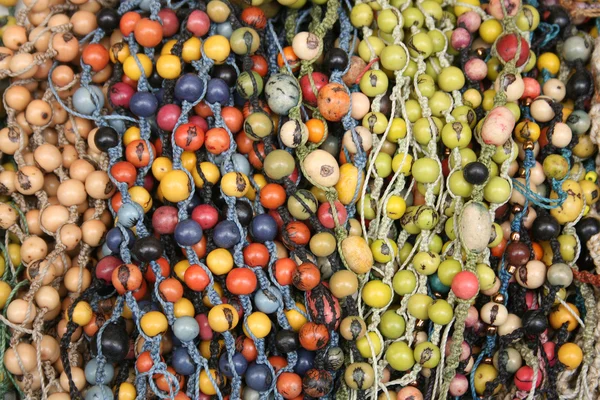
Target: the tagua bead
(357, 254)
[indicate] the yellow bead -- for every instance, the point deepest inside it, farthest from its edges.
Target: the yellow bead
(527, 130)
(396, 207)
(211, 173)
(376, 294)
(183, 308)
(126, 391)
(490, 30)
(82, 313)
(346, 186)
(2, 265)
(205, 349)
(131, 134)
(9, 167)
(5, 290)
(363, 347)
(14, 252)
(168, 66)
(191, 50)
(180, 269)
(217, 48)
(259, 324)
(160, 167)
(188, 160)
(206, 385)
(219, 289)
(141, 196)
(260, 180)
(571, 355)
(154, 323)
(235, 184)
(222, 318)
(550, 62)
(8, 3)
(460, 10)
(561, 314)
(127, 314)
(219, 261)
(119, 52)
(175, 186)
(131, 69)
(295, 318)
(591, 176)
(167, 47)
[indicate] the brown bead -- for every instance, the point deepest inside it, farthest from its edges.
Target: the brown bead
(498, 298)
(51, 184)
(70, 236)
(14, 37)
(38, 113)
(33, 222)
(22, 64)
(41, 270)
(83, 22)
(66, 45)
(517, 253)
(93, 232)
(71, 192)
(53, 217)
(33, 248)
(81, 170)
(69, 154)
(71, 279)
(23, 124)
(17, 97)
(99, 186)
(78, 377)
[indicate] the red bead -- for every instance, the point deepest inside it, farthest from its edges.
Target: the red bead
(550, 350)
(170, 22)
(326, 216)
(198, 23)
(308, 95)
(201, 122)
(96, 56)
(532, 88)
(167, 117)
(106, 266)
(189, 137)
(465, 285)
(205, 332)
(206, 216)
(254, 17)
(241, 281)
(120, 94)
(164, 220)
(507, 45)
(524, 378)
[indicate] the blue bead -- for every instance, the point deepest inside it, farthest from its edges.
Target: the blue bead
(437, 285)
(188, 232)
(226, 234)
(268, 301)
(306, 360)
(217, 91)
(117, 124)
(186, 329)
(128, 215)
(195, 201)
(258, 377)
(99, 392)
(83, 101)
(114, 238)
(225, 29)
(189, 87)
(105, 250)
(183, 362)
(90, 372)
(143, 104)
(263, 228)
(239, 364)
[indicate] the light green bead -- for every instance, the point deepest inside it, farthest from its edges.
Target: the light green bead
(404, 282)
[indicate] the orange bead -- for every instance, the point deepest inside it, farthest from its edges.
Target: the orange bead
(272, 196)
(313, 336)
(316, 130)
(292, 59)
(127, 277)
(259, 65)
(216, 141)
(128, 22)
(137, 153)
(306, 277)
(289, 385)
(278, 362)
(96, 56)
(148, 33)
(538, 251)
(233, 118)
(284, 270)
(171, 289)
(196, 278)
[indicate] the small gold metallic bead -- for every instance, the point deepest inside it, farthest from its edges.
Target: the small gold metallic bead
(414, 384)
(447, 151)
(437, 295)
(498, 298)
(517, 208)
(511, 269)
(527, 102)
(528, 145)
(419, 324)
(488, 360)
(522, 172)
(515, 236)
(491, 331)
(481, 52)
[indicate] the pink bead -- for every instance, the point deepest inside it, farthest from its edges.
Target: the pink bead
(120, 94)
(459, 385)
(409, 393)
(532, 88)
(476, 69)
(326, 216)
(524, 378)
(470, 21)
(170, 22)
(461, 38)
(465, 285)
(106, 266)
(205, 332)
(550, 350)
(198, 23)
(472, 317)
(164, 220)
(529, 297)
(465, 351)
(167, 117)
(198, 120)
(206, 216)
(308, 95)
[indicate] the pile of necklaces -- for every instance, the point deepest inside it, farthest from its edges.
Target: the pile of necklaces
(299, 199)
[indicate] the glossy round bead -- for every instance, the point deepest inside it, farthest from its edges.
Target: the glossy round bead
(186, 329)
(570, 355)
(282, 93)
(465, 285)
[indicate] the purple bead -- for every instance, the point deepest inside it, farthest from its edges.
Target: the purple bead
(188, 232)
(120, 94)
(189, 87)
(143, 104)
(217, 91)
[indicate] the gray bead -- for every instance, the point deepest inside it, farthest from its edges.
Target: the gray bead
(250, 394)
(576, 47)
(225, 29)
(331, 145)
(240, 164)
(186, 329)
(117, 124)
(268, 301)
(128, 215)
(99, 392)
(282, 93)
(90, 372)
(83, 101)
(579, 121)
(335, 358)
(105, 250)
(145, 5)
(560, 274)
(511, 356)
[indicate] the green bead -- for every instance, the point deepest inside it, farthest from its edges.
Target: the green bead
(486, 276)
(509, 150)
(465, 114)
(367, 209)
(364, 49)
(427, 354)
(361, 15)
(467, 156)
(426, 263)
(413, 17)
(439, 103)
(426, 170)
(432, 9)
(376, 122)
(458, 184)
(404, 282)
(456, 134)
(497, 190)
(383, 164)
(420, 45)
(447, 270)
(405, 252)
(426, 85)
(438, 39)
(528, 19)
(387, 21)
(382, 253)
(413, 110)
(436, 244)
(497, 236)
(449, 229)
(393, 57)
(245, 87)
(373, 83)
(422, 130)
(432, 66)
(392, 325)
(440, 312)
(397, 130)
(451, 78)
(568, 245)
(399, 356)
(418, 304)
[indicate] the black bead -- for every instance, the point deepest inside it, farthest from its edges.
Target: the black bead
(286, 341)
(155, 79)
(114, 342)
(218, 199)
(579, 85)
(148, 249)
(108, 19)
(534, 322)
(545, 227)
(225, 72)
(106, 138)
(337, 59)
(244, 212)
(586, 228)
(476, 173)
